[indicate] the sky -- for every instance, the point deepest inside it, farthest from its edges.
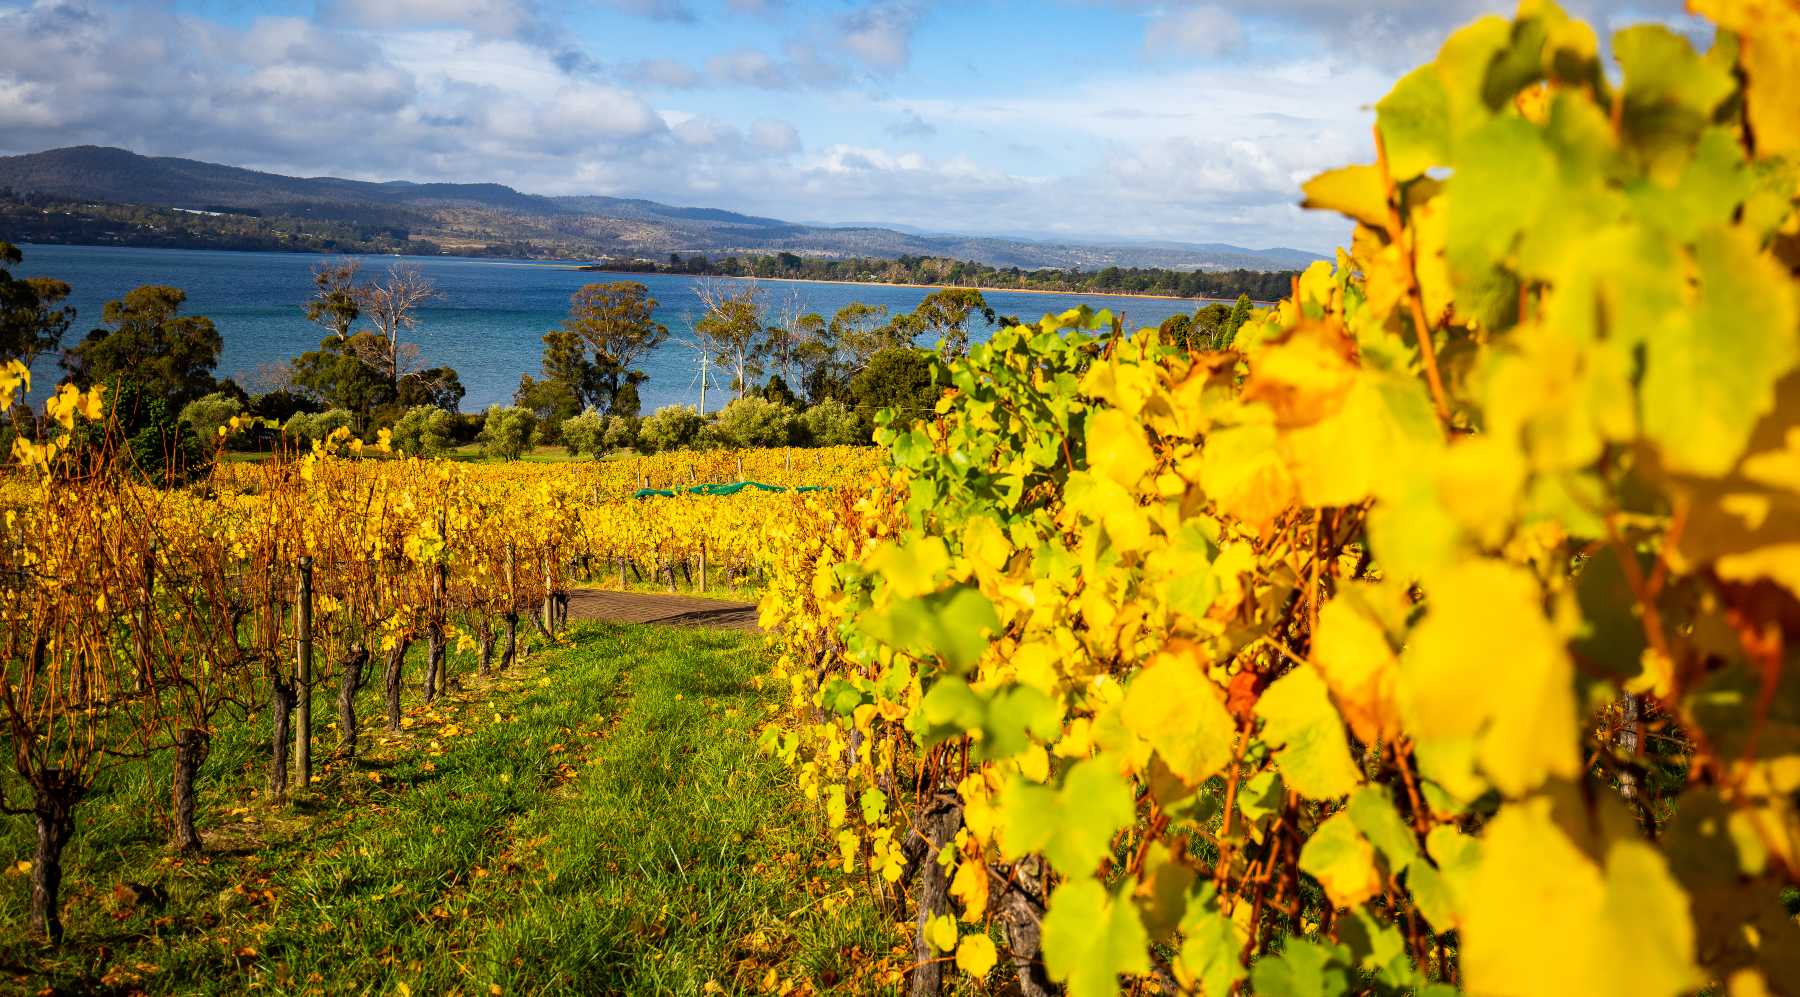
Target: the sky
(1097, 120)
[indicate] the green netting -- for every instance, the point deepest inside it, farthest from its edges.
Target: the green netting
(720, 488)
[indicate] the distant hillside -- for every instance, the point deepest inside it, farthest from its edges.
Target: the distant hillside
(486, 218)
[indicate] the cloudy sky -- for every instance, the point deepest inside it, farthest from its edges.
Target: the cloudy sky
(1115, 119)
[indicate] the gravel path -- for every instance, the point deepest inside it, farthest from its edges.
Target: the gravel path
(655, 607)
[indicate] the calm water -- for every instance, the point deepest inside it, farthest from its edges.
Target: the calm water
(487, 324)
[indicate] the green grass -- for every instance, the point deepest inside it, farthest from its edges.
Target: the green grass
(596, 820)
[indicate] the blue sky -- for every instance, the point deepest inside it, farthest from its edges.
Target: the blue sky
(1172, 120)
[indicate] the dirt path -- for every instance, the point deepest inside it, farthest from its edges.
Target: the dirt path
(654, 607)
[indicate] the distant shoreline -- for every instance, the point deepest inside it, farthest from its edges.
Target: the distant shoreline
(580, 267)
(594, 268)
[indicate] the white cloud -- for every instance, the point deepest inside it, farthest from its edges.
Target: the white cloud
(507, 18)
(1204, 30)
(750, 68)
(800, 66)
(668, 73)
(880, 34)
(775, 136)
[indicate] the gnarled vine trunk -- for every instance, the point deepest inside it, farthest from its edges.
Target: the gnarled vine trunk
(350, 679)
(486, 632)
(1021, 909)
(395, 660)
(434, 661)
(937, 824)
(55, 794)
(192, 745)
(283, 695)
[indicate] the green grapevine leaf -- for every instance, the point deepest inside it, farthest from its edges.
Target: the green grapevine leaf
(1312, 752)
(1072, 826)
(1303, 969)
(1374, 815)
(1090, 938)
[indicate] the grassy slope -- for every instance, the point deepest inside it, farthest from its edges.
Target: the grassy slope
(595, 821)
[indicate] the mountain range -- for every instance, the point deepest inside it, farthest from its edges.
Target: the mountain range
(487, 218)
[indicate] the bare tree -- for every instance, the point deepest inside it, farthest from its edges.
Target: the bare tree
(392, 306)
(734, 327)
(786, 334)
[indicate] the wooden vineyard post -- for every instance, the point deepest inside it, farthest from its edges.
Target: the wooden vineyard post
(303, 709)
(549, 596)
(702, 586)
(144, 617)
(740, 468)
(434, 638)
(788, 457)
(512, 613)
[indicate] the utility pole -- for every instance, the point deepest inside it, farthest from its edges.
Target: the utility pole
(704, 361)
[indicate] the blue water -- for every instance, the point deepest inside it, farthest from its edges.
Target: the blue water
(487, 324)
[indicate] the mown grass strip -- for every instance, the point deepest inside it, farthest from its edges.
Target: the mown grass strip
(595, 821)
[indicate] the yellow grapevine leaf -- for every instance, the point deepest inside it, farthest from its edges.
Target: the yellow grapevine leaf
(1711, 369)
(1485, 664)
(1304, 377)
(1211, 943)
(911, 569)
(1174, 706)
(1543, 917)
(1355, 191)
(970, 885)
(940, 931)
(1313, 755)
(1342, 860)
(1747, 524)
(1352, 652)
(1384, 429)
(1242, 472)
(1769, 35)
(1116, 447)
(976, 955)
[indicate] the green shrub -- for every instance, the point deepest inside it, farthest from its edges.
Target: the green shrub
(207, 414)
(585, 434)
(424, 431)
(831, 424)
(307, 427)
(621, 432)
(507, 431)
(754, 421)
(671, 428)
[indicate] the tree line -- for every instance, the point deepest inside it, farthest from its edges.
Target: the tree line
(778, 375)
(1258, 285)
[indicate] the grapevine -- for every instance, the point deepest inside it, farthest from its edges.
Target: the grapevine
(1440, 634)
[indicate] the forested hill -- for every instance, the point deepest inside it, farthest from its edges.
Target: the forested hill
(106, 195)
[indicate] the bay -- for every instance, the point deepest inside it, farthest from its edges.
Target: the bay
(488, 322)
